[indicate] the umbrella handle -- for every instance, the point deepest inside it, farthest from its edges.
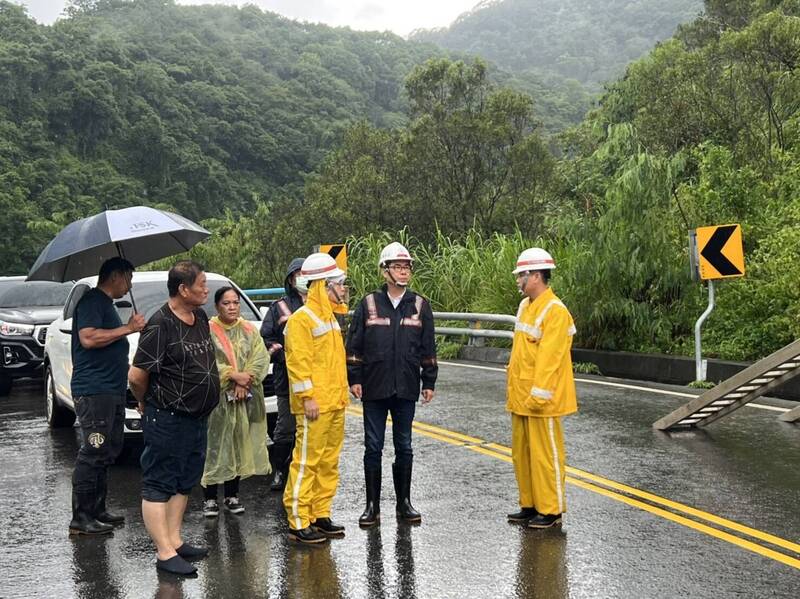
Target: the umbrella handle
(130, 292)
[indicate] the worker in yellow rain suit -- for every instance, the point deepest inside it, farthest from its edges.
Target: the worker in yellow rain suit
(540, 390)
(318, 396)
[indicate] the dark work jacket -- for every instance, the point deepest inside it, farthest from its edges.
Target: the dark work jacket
(389, 351)
(272, 333)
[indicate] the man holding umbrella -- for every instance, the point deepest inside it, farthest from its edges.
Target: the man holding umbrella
(114, 241)
(99, 381)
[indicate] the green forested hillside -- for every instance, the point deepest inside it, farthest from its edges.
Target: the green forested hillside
(703, 130)
(590, 41)
(290, 135)
(200, 108)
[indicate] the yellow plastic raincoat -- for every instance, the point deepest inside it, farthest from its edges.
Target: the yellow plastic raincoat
(237, 430)
(540, 390)
(540, 381)
(315, 356)
(316, 363)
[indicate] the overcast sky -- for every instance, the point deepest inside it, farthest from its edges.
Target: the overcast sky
(400, 16)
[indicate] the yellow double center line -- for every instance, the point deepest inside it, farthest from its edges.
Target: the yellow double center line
(665, 508)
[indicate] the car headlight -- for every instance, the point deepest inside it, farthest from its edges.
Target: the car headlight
(12, 329)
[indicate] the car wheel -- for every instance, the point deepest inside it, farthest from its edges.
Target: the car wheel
(5, 385)
(58, 415)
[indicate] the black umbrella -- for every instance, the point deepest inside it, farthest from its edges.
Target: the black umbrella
(139, 234)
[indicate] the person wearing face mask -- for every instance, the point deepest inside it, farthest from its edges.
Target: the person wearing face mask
(315, 362)
(237, 428)
(391, 354)
(540, 390)
(272, 331)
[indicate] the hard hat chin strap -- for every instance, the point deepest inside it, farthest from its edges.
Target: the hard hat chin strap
(523, 283)
(339, 299)
(388, 271)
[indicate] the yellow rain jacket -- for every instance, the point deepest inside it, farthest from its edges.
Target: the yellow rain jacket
(315, 356)
(540, 381)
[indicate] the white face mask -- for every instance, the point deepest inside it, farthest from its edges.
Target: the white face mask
(301, 284)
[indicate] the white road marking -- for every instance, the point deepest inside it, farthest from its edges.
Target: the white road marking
(620, 386)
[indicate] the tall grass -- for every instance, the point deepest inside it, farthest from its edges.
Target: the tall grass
(469, 275)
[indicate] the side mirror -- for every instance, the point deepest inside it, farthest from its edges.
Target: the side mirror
(263, 311)
(66, 326)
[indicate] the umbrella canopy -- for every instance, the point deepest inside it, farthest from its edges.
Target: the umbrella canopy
(138, 234)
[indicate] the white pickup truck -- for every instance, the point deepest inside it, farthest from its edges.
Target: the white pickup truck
(150, 293)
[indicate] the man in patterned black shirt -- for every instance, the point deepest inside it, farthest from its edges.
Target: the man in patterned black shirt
(175, 379)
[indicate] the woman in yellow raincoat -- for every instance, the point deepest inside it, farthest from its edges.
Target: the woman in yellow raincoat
(237, 428)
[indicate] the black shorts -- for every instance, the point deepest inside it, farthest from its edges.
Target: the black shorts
(174, 453)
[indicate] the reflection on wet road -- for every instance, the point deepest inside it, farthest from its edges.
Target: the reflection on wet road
(639, 506)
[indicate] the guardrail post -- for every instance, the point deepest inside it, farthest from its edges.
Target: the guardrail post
(473, 340)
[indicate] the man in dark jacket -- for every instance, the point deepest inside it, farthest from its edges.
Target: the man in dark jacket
(390, 351)
(272, 332)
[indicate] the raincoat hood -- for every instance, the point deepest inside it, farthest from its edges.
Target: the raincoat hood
(294, 266)
(318, 300)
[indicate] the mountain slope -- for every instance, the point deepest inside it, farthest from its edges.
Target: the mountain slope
(590, 41)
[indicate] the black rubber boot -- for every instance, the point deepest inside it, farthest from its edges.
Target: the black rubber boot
(100, 512)
(307, 536)
(328, 527)
(281, 458)
(523, 515)
(83, 520)
(544, 520)
(402, 488)
(372, 513)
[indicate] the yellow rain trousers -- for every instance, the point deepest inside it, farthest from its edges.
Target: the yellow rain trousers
(540, 390)
(316, 363)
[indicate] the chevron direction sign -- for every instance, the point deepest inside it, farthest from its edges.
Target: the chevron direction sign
(719, 252)
(337, 251)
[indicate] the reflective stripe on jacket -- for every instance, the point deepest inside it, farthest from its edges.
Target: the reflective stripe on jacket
(540, 381)
(315, 358)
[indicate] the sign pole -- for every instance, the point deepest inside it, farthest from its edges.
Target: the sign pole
(700, 374)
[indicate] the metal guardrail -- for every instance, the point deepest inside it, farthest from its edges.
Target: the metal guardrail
(473, 331)
(476, 334)
(265, 291)
(274, 292)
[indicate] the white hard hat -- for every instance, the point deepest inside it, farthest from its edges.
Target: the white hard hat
(534, 259)
(394, 251)
(320, 266)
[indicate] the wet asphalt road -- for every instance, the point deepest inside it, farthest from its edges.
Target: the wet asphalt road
(744, 468)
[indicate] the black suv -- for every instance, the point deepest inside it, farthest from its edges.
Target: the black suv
(26, 310)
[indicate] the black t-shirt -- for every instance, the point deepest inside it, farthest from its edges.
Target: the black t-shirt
(181, 362)
(104, 369)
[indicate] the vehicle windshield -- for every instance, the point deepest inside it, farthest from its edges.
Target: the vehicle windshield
(150, 296)
(33, 294)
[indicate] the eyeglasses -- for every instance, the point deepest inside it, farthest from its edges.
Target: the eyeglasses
(401, 267)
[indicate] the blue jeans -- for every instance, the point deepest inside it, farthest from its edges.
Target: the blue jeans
(375, 413)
